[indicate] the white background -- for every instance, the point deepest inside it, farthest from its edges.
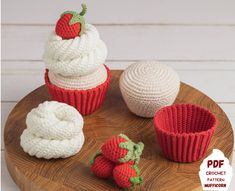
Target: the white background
(196, 38)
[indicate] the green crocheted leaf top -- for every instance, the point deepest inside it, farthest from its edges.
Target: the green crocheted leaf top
(94, 157)
(136, 180)
(77, 17)
(134, 150)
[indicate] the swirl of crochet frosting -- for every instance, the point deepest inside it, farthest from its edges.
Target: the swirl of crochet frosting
(148, 86)
(54, 130)
(45, 148)
(75, 57)
(79, 82)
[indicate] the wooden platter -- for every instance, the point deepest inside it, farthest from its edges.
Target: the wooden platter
(112, 118)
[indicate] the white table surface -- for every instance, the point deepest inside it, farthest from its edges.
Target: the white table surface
(196, 38)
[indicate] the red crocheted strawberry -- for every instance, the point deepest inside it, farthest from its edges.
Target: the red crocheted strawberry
(126, 175)
(101, 166)
(121, 149)
(71, 24)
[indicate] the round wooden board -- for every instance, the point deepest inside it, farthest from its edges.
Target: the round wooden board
(112, 118)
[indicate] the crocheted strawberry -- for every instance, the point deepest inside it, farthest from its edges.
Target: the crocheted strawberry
(101, 166)
(121, 149)
(71, 24)
(126, 175)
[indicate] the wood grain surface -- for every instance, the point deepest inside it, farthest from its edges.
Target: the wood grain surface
(111, 119)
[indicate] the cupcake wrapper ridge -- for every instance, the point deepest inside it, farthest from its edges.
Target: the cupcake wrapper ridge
(185, 143)
(85, 101)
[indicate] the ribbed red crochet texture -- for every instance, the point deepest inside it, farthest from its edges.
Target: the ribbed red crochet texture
(184, 131)
(85, 101)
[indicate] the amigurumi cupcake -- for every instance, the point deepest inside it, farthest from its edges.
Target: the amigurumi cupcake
(74, 57)
(146, 87)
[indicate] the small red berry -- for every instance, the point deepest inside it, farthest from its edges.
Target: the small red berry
(121, 149)
(101, 166)
(126, 175)
(71, 24)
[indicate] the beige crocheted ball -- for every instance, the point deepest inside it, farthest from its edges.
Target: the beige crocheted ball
(146, 87)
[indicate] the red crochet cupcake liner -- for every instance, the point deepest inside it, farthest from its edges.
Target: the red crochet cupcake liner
(184, 131)
(85, 101)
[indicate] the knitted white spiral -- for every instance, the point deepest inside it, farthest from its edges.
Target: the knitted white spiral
(48, 149)
(79, 82)
(54, 130)
(75, 57)
(148, 86)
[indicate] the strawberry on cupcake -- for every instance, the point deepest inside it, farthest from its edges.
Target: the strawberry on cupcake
(74, 57)
(71, 24)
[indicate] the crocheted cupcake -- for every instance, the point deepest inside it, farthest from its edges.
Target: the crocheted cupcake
(54, 130)
(74, 57)
(148, 86)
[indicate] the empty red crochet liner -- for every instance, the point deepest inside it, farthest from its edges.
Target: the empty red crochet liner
(184, 131)
(85, 101)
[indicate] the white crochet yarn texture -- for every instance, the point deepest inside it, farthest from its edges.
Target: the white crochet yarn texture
(146, 87)
(80, 82)
(75, 57)
(54, 130)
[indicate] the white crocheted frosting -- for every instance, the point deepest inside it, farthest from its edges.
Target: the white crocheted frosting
(75, 57)
(54, 130)
(79, 82)
(148, 86)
